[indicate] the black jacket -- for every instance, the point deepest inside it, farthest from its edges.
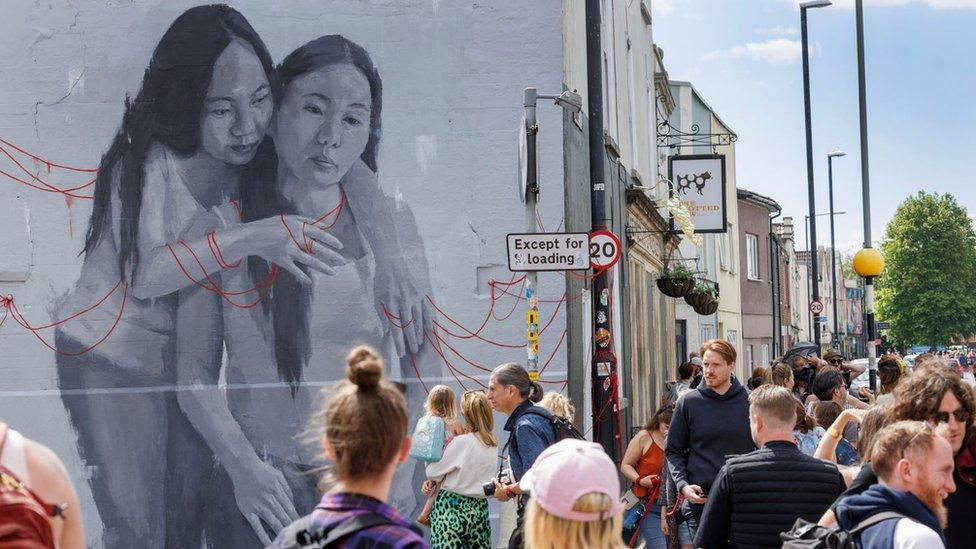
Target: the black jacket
(706, 428)
(760, 494)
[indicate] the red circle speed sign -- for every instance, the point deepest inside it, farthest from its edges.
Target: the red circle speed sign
(816, 306)
(605, 249)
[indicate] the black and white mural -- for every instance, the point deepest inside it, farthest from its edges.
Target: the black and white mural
(262, 188)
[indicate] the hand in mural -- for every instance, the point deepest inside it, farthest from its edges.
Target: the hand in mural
(264, 497)
(269, 239)
(399, 299)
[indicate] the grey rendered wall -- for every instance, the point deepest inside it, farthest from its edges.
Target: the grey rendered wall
(453, 75)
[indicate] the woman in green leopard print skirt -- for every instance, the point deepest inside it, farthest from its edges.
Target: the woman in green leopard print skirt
(459, 519)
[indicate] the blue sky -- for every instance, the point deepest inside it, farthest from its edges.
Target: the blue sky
(743, 56)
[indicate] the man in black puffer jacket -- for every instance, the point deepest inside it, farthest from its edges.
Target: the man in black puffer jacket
(760, 494)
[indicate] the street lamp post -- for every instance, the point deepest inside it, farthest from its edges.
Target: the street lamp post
(873, 262)
(833, 246)
(804, 6)
(815, 283)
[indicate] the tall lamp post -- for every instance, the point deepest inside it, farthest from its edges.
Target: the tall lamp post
(871, 262)
(804, 6)
(833, 247)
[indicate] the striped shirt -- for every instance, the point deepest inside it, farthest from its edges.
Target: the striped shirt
(336, 508)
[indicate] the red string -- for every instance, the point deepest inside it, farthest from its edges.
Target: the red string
(514, 306)
(237, 206)
(268, 280)
(553, 355)
(19, 318)
(413, 362)
(48, 187)
(215, 250)
(459, 355)
(337, 210)
(48, 162)
(306, 248)
(59, 191)
(9, 299)
(450, 367)
(392, 318)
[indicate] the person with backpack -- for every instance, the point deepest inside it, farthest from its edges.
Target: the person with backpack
(914, 467)
(709, 423)
(531, 430)
(38, 505)
(365, 423)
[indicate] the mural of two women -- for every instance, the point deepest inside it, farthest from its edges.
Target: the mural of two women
(189, 415)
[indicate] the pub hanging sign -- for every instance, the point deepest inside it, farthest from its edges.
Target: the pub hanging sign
(698, 180)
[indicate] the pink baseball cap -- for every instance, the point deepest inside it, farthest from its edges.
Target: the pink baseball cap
(568, 470)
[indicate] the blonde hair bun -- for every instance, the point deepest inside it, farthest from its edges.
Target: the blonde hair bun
(364, 367)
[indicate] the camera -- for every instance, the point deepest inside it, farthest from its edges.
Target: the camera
(489, 487)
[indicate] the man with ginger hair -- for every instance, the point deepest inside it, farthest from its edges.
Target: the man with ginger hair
(709, 423)
(756, 495)
(914, 467)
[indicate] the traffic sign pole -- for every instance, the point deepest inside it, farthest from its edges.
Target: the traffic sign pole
(531, 195)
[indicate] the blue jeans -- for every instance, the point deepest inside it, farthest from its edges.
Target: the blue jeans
(692, 514)
(652, 535)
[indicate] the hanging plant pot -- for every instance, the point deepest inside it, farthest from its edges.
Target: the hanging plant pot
(675, 287)
(698, 299)
(707, 309)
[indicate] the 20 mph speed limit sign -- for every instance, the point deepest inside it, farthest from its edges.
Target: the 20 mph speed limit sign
(816, 307)
(605, 249)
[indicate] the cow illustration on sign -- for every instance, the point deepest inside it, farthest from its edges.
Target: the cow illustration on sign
(239, 205)
(698, 180)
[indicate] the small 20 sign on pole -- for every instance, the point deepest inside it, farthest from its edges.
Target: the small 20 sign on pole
(605, 250)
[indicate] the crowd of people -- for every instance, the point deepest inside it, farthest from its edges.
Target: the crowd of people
(792, 457)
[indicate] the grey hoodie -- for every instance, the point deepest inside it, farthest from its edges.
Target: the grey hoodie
(706, 428)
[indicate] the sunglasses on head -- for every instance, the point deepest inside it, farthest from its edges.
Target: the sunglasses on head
(961, 415)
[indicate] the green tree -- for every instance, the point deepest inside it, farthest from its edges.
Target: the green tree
(926, 290)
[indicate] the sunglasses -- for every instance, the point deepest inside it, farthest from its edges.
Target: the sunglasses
(836, 361)
(961, 415)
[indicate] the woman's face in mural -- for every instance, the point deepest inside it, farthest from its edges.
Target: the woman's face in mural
(238, 106)
(322, 125)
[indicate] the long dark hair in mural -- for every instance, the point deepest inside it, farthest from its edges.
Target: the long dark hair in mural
(240, 207)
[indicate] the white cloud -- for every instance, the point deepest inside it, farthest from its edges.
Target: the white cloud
(778, 31)
(662, 7)
(776, 51)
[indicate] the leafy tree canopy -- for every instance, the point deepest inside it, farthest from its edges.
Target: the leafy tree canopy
(927, 291)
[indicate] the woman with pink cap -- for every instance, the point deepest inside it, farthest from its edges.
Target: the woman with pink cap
(575, 498)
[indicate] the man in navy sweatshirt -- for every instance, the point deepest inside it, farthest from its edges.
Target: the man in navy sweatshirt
(914, 467)
(710, 423)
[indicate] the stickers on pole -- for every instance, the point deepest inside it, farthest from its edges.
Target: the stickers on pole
(605, 250)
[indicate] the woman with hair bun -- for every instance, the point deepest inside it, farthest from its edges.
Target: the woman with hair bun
(364, 434)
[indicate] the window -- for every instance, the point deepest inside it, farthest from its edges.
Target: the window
(749, 363)
(752, 256)
(764, 354)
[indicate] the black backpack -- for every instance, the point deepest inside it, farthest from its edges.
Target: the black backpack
(809, 535)
(561, 427)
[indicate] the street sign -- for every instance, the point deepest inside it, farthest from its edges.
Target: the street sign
(882, 325)
(548, 252)
(816, 307)
(605, 249)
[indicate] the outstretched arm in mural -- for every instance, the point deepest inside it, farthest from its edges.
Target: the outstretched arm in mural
(262, 494)
(169, 266)
(399, 292)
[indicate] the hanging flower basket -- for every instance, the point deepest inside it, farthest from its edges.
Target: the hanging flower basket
(675, 287)
(702, 296)
(698, 299)
(677, 282)
(707, 309)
